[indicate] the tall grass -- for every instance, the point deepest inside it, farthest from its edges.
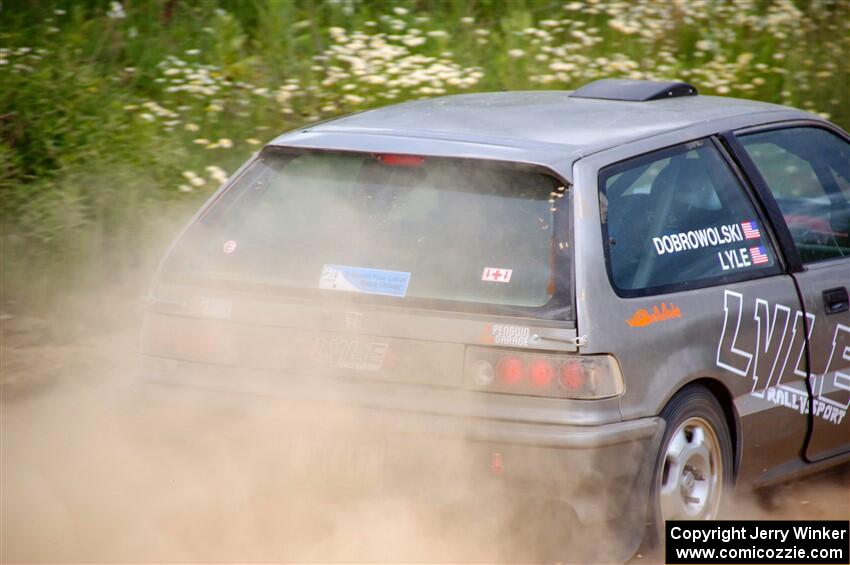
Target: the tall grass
(116, 117)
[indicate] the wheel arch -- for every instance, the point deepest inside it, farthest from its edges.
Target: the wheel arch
(727, 404)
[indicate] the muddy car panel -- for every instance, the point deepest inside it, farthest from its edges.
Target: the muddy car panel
(780, 407)
(668, 354)
(803, 166)
(722, 328)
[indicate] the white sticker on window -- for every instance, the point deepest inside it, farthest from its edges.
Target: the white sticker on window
(495, 274)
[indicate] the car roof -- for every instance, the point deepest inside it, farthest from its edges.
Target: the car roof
(543, 122)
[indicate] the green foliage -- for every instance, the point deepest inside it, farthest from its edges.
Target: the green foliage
(112, 113)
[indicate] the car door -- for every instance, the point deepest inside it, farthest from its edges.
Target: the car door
(805, 167)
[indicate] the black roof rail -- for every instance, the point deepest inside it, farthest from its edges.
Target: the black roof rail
(634, 90)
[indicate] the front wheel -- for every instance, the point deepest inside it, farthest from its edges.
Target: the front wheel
(694, 464)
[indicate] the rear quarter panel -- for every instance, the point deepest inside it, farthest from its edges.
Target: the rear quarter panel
(659, 359)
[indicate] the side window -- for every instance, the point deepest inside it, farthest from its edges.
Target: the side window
(808, 171)
(679, 218)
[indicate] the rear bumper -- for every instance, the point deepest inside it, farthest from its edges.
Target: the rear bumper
(601, 473)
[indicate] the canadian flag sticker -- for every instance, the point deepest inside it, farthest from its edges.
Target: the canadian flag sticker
(494, 274)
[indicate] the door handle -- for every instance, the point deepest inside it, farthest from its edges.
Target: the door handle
(835, 300)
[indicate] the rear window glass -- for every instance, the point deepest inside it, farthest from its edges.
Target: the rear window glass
(679, 218)
(397, 226)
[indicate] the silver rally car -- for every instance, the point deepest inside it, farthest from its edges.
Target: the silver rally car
(621, 299)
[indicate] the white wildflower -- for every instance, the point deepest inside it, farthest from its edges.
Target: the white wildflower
(116, 11)
(217, 174)
(193, 178)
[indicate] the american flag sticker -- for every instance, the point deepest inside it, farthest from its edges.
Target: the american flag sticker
(758, 255)
(751, 230)
(494, 274)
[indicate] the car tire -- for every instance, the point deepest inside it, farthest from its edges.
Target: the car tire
(693, 468)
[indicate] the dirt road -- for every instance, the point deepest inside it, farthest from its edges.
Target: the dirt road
(97, 468)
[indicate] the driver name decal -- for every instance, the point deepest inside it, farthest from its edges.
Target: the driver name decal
(774, 357)
(731, 259)
(742, 257)
(698, 239)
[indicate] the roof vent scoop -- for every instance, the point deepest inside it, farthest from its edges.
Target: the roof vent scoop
(634, 90)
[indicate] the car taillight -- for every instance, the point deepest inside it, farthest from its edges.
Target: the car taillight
(543, 374)
(510, 370)
(482, 373)
(540, 373)
(571, 376)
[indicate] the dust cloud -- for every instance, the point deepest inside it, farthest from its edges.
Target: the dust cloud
(98, 466)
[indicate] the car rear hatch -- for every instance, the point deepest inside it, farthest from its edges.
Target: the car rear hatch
(357, 267)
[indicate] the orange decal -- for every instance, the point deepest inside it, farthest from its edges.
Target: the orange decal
(486, 336)
(644, 317)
